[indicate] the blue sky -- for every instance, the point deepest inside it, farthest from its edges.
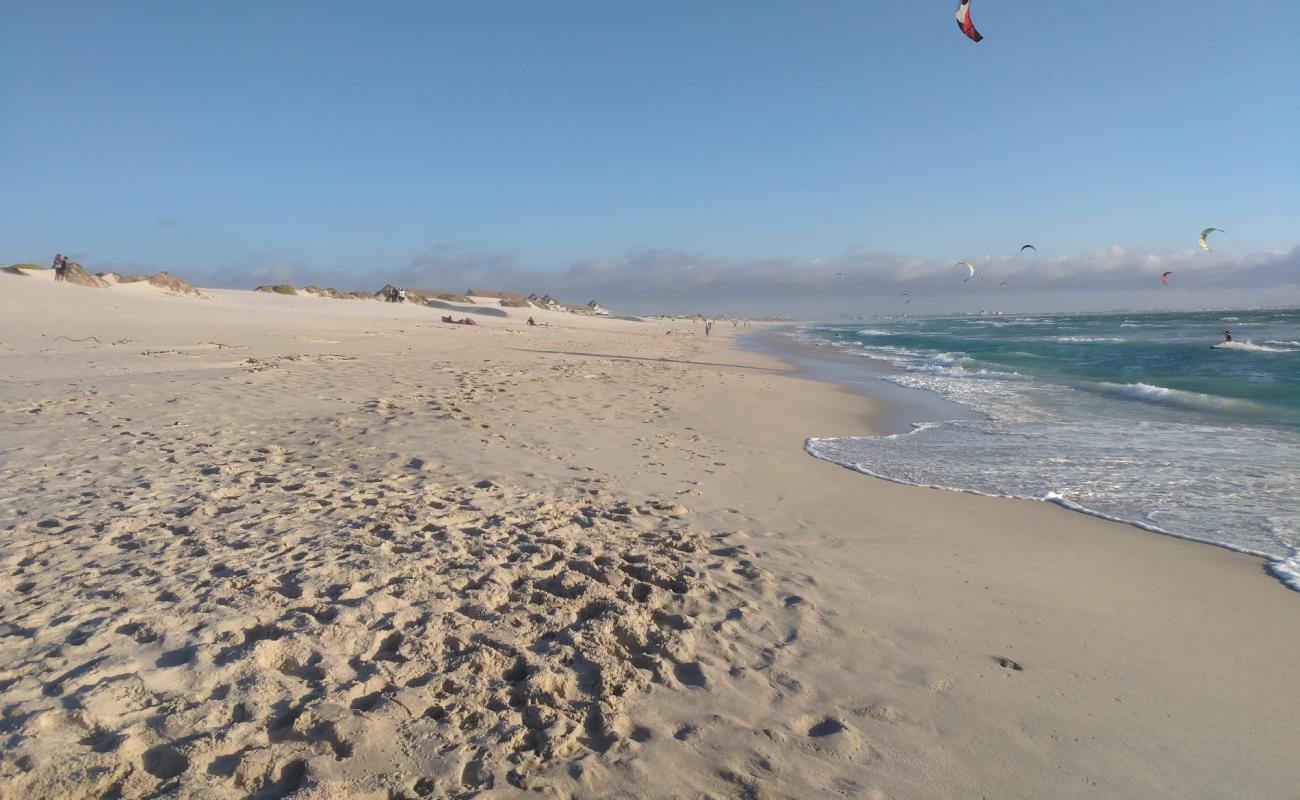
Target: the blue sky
(235, 141)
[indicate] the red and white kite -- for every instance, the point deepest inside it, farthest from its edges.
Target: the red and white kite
(963, 21)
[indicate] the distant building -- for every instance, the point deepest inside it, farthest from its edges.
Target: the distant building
(545, 301)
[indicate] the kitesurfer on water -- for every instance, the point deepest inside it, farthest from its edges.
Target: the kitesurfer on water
(1227, 337)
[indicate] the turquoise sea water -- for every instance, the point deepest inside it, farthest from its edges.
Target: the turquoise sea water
(1151, 419)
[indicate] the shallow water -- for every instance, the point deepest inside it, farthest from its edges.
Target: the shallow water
(1150, 419)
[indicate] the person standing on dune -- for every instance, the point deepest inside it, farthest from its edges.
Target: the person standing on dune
(60, 267)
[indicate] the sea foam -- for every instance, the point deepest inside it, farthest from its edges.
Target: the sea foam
(1215, 466)
(1258, 348)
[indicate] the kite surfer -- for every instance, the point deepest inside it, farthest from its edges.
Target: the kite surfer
(1227, 336)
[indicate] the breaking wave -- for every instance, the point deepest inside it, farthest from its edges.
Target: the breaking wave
(1258, 348)
(1094, 430)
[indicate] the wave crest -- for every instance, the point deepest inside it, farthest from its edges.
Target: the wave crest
(1162, 395)
(1257, 348)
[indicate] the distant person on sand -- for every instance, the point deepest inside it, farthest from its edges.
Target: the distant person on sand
(708, 327)
(531, 321)
(60, 267)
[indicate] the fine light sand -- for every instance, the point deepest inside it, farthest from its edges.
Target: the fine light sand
(254, 545)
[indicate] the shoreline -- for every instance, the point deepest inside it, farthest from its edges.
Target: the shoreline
(356, 552)
(1010, 535)
(893, 420)
(900, 409)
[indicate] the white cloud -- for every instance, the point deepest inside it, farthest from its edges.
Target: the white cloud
(669, 276)
(672, 280)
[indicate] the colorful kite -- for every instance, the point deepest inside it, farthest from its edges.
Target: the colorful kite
(1204, 244)
(964, 23)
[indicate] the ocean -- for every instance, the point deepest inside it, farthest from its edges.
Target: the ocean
(1146, 418)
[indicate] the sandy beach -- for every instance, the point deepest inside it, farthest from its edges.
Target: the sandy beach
(267, 546)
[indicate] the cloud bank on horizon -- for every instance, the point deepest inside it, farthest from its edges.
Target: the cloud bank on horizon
(650, 280)
(672, 155)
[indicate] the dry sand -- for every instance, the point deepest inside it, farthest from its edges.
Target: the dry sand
(254, 545)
